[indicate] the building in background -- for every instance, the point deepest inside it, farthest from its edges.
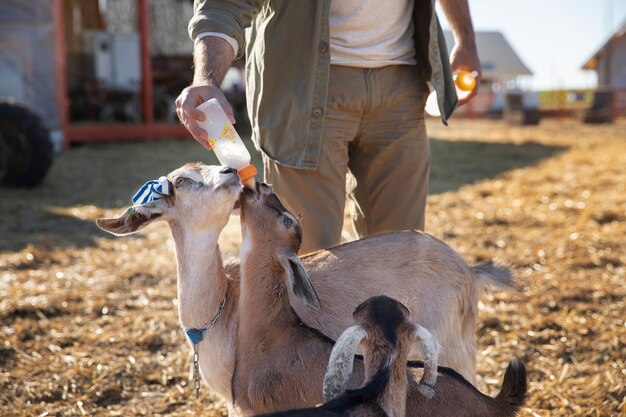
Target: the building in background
(97, 70)
(609, 62)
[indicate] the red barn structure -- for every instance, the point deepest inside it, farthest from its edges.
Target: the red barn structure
(97, 70)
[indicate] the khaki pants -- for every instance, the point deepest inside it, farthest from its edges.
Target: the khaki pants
(374, 150)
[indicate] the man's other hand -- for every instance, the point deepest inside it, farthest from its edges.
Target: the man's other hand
(464, 57)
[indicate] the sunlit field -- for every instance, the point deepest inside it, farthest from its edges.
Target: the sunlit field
(89, 322)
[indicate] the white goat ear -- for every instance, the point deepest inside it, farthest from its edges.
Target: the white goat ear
(133, 219)
(430, 351)
(341, 360)
(299, 282)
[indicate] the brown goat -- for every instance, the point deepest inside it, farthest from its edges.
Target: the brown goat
(280, 361)
(386, 334)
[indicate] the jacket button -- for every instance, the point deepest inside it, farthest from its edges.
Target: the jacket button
(323, 47)
(318, 112)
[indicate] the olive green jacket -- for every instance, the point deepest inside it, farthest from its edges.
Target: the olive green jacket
(288, 61)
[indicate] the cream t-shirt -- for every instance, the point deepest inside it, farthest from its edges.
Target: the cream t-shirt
(371, 33)
(365, 33)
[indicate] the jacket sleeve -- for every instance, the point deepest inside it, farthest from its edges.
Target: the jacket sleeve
(229, 17)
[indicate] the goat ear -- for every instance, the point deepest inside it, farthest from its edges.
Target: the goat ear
(430, 351)
(133, 219)
(300, 284)
(341, 360)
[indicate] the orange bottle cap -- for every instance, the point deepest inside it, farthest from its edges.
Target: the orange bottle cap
(247, 172)
(465, 80)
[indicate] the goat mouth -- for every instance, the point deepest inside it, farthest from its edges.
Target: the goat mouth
(248, 193)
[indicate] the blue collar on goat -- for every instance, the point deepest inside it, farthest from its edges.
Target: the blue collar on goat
(196, 335)
(152, 191)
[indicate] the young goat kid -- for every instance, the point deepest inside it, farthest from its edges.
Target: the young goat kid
(279, 362)
(387, 337)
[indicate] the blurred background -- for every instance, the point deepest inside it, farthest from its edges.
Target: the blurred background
(82, 65)
(531, 172)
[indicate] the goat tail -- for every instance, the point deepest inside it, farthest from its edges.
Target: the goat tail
(514, 386)
(496, 274)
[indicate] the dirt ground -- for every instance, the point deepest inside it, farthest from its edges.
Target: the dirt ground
(88, 323)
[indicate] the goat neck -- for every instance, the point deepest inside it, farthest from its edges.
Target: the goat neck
(277, 358)
(262, 285)
(202, 285)
(378, 356)
(201, 277)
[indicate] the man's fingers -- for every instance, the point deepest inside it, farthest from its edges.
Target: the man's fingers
(198, 133)
(471, 94)
(185, 109)
(197, 115)
(200, 136)
(188, 109)
(189, 115)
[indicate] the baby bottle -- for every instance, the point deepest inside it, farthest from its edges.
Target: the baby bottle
(464, 82)
(225, 141)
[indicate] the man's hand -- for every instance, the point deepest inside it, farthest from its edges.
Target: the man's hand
(464, 55)
(190, 98)
(212, 57)
(465, 58)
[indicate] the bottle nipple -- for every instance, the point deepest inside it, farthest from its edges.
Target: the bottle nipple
(247, 174)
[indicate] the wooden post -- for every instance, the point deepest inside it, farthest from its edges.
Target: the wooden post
(147, 105)
(60, 67)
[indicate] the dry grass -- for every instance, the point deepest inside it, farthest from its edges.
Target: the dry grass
(88, 324)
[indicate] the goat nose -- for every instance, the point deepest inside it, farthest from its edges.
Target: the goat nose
(228, 170)
(263, 188)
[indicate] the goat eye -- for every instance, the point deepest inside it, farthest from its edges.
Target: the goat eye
(180, 181)
(287, 222)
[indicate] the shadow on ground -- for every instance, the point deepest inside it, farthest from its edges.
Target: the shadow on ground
(89, 178)
(458, 163)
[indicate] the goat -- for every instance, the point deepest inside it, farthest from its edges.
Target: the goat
(439, 288)
(383, 327)
(388, 336)
(202, 200)
(279, 361)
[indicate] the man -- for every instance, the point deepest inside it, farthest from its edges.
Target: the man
(334, 89)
